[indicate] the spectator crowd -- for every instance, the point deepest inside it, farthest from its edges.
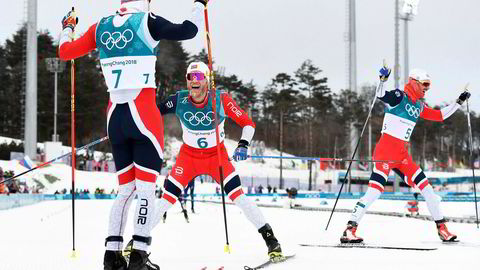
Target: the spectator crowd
(14, 186)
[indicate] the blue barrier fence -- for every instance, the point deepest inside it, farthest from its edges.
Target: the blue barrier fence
(80, 196)
(432, 180)
(451, 180)
(446, 196)
(17, 200)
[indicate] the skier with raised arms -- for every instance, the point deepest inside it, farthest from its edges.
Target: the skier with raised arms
(403, 109)
(198, 154)
(127, 43)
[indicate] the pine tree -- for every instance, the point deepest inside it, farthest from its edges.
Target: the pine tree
(13, 90)
(5, 79)
(171, 67)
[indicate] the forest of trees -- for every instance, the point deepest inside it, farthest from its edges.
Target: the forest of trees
(299, 108)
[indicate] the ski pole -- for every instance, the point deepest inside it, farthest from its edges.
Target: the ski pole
(73, 137)
(214, 107)
(55, 159)
(380, 86)
(470, 139)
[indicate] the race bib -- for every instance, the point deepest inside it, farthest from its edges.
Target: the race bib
(202, 138)
(398, 127)
(135, 72)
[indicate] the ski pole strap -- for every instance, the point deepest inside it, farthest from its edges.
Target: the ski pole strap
(146, 240)
(113, 238)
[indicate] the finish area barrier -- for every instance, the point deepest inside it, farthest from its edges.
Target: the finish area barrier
(17, 200)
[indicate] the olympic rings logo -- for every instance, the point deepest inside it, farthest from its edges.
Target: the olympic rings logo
(199, 118)
(412, 111)
(117, 39)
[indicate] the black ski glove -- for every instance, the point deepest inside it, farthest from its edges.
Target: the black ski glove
(204, 2)
(241, 151)
(463, 96)
(70, 20)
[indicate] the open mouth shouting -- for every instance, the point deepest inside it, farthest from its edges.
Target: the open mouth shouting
(196, 85)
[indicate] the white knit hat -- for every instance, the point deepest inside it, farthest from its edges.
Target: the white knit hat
(419, 75)
(199, 67)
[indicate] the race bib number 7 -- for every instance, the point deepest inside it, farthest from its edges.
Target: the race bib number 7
(126, 73)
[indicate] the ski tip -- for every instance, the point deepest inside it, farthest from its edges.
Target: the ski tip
(372, 246)
(270, 262)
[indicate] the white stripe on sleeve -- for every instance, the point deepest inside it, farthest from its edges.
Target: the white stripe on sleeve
(247, 133)
(449, 110)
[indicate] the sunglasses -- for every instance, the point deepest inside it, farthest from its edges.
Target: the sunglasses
(425, 84)
(197, 75)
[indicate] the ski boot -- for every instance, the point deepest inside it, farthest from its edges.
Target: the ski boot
(139, 261)
(274, 249)
(349, 235)
(443, 232)
(113, 260)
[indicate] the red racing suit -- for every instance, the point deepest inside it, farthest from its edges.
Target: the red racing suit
(402, 113)
(198, 154)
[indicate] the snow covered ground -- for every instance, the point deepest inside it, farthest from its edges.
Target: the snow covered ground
(40, 237)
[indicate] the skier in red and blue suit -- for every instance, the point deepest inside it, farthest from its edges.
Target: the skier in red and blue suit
(198, 154)
(403, 109)
(127, 43)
